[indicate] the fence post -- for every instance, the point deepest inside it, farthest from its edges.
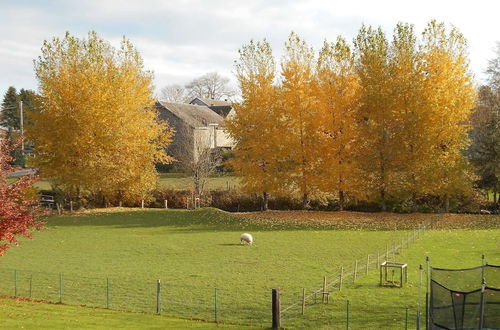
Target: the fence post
(31, 285)
(406, 319)
(347, 316)
(324, 290)
(355, 271)
(367, 263)
(108, 293)
(166, 204)
(482, 266)
(341, 275)
(215, 305)
(419, 297)
(276, 309)
(481, 305)
(15, 282)
(427, 284)
(61, 288)
(158, 297)
(303, 300)
(142, 203)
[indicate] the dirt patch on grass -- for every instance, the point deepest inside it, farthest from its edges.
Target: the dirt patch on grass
(360, 220)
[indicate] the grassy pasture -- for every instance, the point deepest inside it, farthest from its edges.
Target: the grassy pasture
(193, 252)
(176, 181)
(16, 314)
(180, 181)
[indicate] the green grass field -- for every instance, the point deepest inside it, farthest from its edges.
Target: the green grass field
(17, 314)
(181, 181)
(194, 252)
(176, 181)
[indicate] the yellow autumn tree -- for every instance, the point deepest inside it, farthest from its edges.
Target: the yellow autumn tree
(255, 128)
(339, 102)
(412, 120)
(96, 131)
(299, 110)
(379, 143)
(450, 98)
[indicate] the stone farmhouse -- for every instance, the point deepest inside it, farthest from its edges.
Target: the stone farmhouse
(198, 125)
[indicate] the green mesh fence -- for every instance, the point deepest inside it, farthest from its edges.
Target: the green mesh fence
(186, 301)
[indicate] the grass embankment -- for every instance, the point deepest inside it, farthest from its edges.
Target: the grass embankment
(193, 252)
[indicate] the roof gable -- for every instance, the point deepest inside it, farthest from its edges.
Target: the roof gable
(210, 102)
(193, 115)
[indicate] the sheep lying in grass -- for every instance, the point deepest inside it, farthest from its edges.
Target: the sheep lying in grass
(246, 238)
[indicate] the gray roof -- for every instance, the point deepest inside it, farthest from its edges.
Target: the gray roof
(210, 102)
(193, 115)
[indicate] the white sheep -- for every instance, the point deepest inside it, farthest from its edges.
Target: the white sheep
(246, 237)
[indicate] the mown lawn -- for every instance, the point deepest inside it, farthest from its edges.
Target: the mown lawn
(194, 252)
(179, 181)
(176, 181)
(18, 314)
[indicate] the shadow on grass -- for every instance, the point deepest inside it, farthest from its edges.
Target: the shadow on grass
(201, 220)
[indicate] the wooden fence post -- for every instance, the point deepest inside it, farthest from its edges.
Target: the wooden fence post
(341, 275)
(158, 297)
(324, 290)
(276, 309)
(303, 300)
(355, 271)
(142, 203)
(166, 204)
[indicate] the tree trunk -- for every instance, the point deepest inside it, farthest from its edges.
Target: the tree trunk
(447, 204)
(196, 182)
(414, 199)
(305, 201)
(265, 201)
(383, 203)
(341, 200)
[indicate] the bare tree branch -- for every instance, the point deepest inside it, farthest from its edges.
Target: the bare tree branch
(211, 86)
(174, 93)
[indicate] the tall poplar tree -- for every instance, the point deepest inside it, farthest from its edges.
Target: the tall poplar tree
(255, 127)
(411, 116)
(378, 156)
(450, 98)
(299, 107)
(339, 101)
(97, 131)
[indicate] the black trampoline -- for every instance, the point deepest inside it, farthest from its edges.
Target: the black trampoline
(464, 298)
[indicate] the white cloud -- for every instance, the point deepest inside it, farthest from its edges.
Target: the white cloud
(180, 40)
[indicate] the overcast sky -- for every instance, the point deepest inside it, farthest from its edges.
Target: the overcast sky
(180, 40)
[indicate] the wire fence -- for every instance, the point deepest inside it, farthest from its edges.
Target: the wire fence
(297, 303)
(246, 305)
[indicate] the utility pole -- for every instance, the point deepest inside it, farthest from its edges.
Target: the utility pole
(21, 124)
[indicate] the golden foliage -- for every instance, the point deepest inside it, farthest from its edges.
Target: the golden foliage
(380, 120)
(97, 130)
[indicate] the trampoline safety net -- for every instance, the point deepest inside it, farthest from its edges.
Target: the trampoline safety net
(465, 298)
